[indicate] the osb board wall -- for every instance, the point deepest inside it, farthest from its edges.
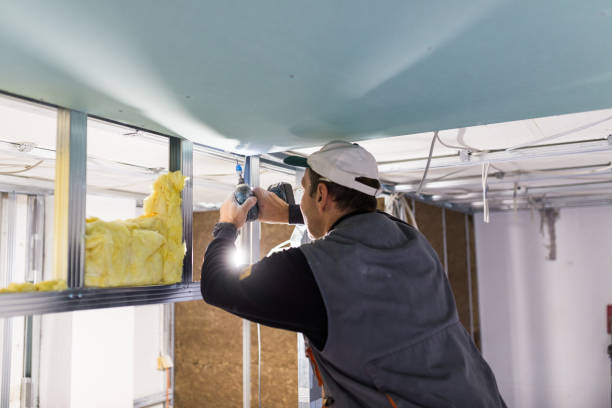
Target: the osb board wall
(429, 220)
(208, 343)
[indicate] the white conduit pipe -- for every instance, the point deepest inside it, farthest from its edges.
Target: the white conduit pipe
(485, 187)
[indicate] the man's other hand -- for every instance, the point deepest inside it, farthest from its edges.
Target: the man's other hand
(272, 208)
(234, 213)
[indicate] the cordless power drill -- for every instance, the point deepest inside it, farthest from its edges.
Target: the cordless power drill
(243, 192)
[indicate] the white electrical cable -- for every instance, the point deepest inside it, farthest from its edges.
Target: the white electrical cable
(485, 202)
(25, 168)
(452, 146)
(398, 206)
(433, 142)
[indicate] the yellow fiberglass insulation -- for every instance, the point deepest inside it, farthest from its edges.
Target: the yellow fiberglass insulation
(146, 250)
(43, 286)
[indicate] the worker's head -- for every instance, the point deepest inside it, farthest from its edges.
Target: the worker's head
(340, 178)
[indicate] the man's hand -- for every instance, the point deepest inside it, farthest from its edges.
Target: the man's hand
(272, 208)
(233, 213)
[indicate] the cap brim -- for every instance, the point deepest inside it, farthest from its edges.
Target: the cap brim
(297, 161)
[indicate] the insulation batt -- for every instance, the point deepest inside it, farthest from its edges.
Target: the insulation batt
(44, 286)
(146, 250)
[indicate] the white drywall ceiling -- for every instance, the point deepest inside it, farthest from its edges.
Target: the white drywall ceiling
(268, 75)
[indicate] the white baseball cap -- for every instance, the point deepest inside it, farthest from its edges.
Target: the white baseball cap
(342, 163)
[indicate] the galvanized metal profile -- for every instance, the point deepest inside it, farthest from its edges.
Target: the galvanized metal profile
(168, 345)
(503, 178)
(33, 273)
(444, 243)
(181, 158)
(549, 191)
(468, 255)
(427, 199)
(218, 153)
(151, 400)
(32, 303)
(250, 242)
(498, 156)
(35, 234)
(70, 191)
(567, 201)
(9, 213)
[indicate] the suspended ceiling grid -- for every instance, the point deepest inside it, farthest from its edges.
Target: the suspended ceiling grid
(268, 75)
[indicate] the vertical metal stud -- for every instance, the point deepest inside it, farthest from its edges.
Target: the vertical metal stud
(444, 246)
(250, 243)
(468, 251)
(70, 191)
(35, 238)
(34, 273)
(8, 222)
(168, 346)
(181, 158)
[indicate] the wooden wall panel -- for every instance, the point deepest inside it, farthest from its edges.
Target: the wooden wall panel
(429, 220)
(457, 264)
(208, 343)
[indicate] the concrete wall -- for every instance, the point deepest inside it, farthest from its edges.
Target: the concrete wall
(543, 321)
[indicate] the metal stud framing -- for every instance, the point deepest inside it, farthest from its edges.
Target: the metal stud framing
(181, 158)
(468, 252)
(70, 190)
(444, 243)
(7, 222)
(251, 233)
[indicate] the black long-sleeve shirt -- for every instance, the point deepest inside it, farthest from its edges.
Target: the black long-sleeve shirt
(278, 291)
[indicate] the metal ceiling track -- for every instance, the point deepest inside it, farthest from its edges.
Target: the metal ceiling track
(498, 156)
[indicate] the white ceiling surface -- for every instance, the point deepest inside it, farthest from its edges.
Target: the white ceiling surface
(268, 75)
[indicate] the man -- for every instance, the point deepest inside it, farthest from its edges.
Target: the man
(369, 292)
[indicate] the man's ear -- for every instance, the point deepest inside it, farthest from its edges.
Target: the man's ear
(322, 195)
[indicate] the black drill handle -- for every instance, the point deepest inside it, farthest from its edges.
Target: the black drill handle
(244, 191)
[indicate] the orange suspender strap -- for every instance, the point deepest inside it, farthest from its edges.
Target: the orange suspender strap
(391, 401)
(310, 356)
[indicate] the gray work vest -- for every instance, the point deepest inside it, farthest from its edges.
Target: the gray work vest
(394, 337)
